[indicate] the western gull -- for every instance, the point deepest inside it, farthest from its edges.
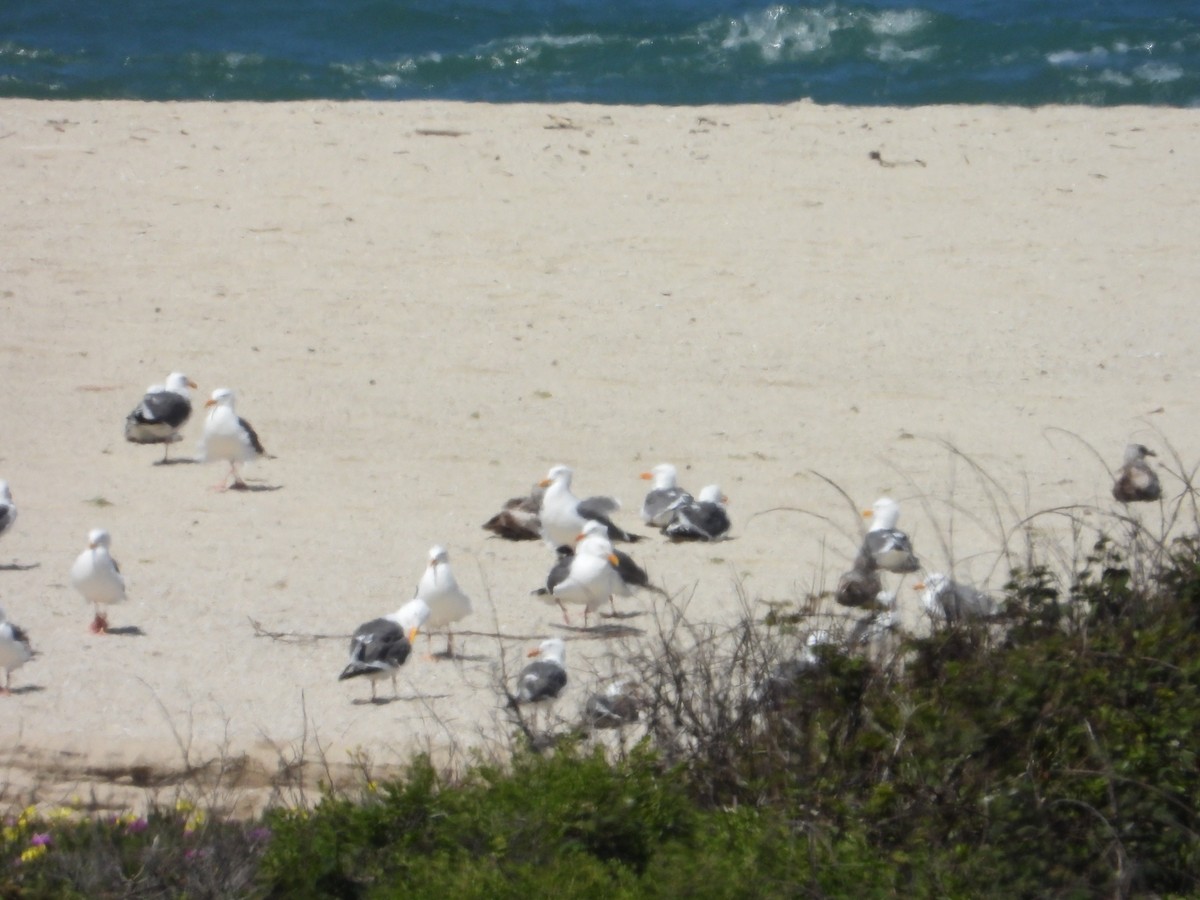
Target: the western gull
(446, 601)
(518, 520)
(657, 508)
(700, 519)
(872, 630)
(782, 683)
(543, 679)
(163, 411)
(617, 705)
(630, 573)
(8, 509)
(563, 514)
(888, 547)
(949, 601)
(15, 650)
(1136, 482)
(860, 586)
(381, 646)
(228, 437)
(585, 576)
(97, 577)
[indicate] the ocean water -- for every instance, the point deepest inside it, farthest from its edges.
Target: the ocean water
(1023, 52)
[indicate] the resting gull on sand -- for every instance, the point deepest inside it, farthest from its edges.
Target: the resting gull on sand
(163, 411)
(888, 547)
(228, 437)
(381, 646)
(518, 520)
(1136, 482)
(615, 706)
(563, 514)
(543, 679)
(15, 650)
(446, 601)
(948, 601)
(97, 577)
(657, 508)
(700, 519)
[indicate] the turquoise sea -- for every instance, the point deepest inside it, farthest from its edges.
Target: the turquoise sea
(1024, 52)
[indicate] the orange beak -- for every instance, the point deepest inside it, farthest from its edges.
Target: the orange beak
(545, 482)
(534, 652)
(210, 402)
(646, 476)
(867, 513)
(412, 635)
(919, 586)
(192, 384)
(612, 558)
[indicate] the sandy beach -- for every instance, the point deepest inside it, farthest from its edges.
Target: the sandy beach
(424, 306)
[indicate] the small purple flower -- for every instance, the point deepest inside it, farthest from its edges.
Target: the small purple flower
(41, 839)
(196, 853)
(137, 826)
(259, 835)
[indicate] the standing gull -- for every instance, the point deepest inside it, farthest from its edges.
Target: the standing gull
(446, 601)
(162, 412)
(631, 575)
(888, 547)
(702, 519)
(948, 601)
(96, 576)
(8, 509)
(563, 514)
(1136, 482)
(657, 508)
(228, 437)
(586, 577)
(381, 646)
(15, 650)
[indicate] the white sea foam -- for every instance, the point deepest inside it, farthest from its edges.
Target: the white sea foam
(1093, 57)
(780, 32)
(897, 22)
(1158, 72)
(891, 52)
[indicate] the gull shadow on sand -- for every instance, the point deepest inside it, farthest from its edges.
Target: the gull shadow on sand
(126, 631)
(631, 614)
(446, 656)
(27, 689)
(178, 461)
(384, 701)
(19, 567)
(602, 631)
(252, 488)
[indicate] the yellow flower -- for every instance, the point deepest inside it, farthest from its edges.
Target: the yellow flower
(61, 812)
(11, 833)
(184, 806)
(195, 820)
(33, 853)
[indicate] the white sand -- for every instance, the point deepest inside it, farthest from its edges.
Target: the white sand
(424, 306)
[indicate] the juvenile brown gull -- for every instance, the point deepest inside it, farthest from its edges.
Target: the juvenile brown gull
(1136, 482)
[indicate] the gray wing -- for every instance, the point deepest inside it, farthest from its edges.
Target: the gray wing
(703, 521)
(166, 407)
(377, 646)
(597, 507)
(540, 680)
(658, 506)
